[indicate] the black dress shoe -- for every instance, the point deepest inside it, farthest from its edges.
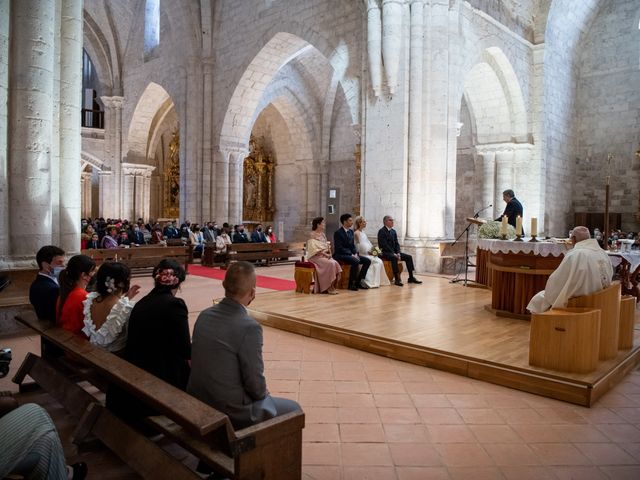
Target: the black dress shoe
(398, 283)
(80, 471)
(363, 285)
(414, 280)
(353, 287)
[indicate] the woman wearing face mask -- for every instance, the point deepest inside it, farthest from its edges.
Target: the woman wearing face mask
(73, 292)
(271, 237)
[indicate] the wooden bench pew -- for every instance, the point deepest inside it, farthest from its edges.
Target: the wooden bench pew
(16, 293)
(271, 252)
(271, 449)
(141, 258)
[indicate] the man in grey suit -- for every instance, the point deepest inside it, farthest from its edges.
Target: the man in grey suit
(227, 371)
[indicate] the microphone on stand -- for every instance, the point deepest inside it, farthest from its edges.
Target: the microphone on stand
(482, 210)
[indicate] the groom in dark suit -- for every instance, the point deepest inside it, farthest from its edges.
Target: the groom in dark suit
(388, 243)
(344, 250)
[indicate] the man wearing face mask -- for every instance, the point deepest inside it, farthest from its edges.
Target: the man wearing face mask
(239, 236)
(43, 293)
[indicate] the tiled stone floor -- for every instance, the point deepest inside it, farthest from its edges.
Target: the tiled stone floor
(368, 417)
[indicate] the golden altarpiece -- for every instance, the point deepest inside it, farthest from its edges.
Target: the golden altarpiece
(258, 180)
(171, 189)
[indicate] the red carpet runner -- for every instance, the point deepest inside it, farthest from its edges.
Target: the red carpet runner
(271, 283)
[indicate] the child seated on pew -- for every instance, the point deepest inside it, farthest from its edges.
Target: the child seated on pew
(107, 310)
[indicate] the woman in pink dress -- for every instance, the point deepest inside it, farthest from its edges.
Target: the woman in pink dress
(319, 251)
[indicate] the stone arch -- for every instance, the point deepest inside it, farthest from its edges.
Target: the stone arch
(93, 161)
(153, 105)
(257, 75)
(495, 139)
(99, 49)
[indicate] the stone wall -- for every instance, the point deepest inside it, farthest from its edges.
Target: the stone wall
(608, 106)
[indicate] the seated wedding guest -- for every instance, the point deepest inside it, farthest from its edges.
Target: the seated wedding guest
(210, 232)
(43, 293)
(158, 338)
(240, 236)
(270, 235)
(223, 240)
(85, 237)
(137, 237)
(94, 242)
(585, 269)
(388, 243)
(31, 447)
(197, 239)
(107, 310)
(110, 240)
(123, 239)
(344, 249)
(156, 235)
(227, 365)
(73, 292)
(170, 231)
(319, 253)
(376, 275)
(258, 235)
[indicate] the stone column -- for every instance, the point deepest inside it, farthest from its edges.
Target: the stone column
(235, 186)
(113, 150)
(30, 102)
(414, 187)
(374, 45)
(86, 194)
(485, 173)
(220, 208)
(146, 195)
(504, 175)
(105, 186)
(128, 180)
(4, 90)
(70, 122)
(392, 40)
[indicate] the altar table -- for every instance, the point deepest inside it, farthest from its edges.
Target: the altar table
(516, 271)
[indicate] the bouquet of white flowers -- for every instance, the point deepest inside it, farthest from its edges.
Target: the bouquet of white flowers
(491, 229)
(376, 252)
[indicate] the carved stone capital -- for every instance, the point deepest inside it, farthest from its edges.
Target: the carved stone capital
(136, 169)
(112, 102)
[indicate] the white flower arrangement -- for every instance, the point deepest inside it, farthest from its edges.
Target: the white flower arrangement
(376, 252)
(491, 229)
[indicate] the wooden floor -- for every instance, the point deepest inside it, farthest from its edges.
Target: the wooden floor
(440, 325)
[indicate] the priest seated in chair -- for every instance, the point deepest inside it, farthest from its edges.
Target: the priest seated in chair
(584, 270)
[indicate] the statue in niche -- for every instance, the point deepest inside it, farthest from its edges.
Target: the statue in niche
(258, 173)
(172, 179)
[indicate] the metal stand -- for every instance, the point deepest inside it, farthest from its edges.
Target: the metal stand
(466, 280)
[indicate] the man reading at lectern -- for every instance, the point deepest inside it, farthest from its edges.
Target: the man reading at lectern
(513, 208)
(584, 270)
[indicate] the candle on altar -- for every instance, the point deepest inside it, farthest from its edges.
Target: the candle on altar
(503, 225)
(518, 225)
(534, 227)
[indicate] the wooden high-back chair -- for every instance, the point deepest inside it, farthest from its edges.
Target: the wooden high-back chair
(608, 302)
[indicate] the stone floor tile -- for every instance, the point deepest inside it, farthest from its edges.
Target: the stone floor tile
(463, 455)
(622, 472)
(362, 433)
(352, 387)
(317, 386)
(580, 433)
(450, 434)
(355, 400)
(482, 416)
(369, 473)
(321, 432)
(579, 473)
(559, 454)
(422, 473)
(312, 472)
(399, 433)
(527, 472)
(382, 376)
(318, 400)
(366, 454)
(422, 387)
(467, 400)
(387, 387)
(320, 453)
(358, 415)
(399, 415)
(522, 416)
(394, 400)
(414, 454)
(605, 454)
(439, 416)
(495, 434)
(321, 415)
(513, 454)
(430, 400)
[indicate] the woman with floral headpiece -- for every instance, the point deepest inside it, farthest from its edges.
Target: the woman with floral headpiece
(107, 310)
(158, 338)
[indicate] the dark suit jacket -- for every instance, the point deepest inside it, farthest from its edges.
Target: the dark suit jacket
(43, 295)
(137, 237)
(158, 339)
(343, 243)
(258, 237)
(240, 238)
(227, 367)
(388, 241)
(92, 244)
(512, 210)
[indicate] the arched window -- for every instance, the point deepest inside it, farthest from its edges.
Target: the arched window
(151, 25)
(92, 111)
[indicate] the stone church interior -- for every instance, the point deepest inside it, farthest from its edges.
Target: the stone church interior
(275, 112)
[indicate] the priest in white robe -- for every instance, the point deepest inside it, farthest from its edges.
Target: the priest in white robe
(584, 270)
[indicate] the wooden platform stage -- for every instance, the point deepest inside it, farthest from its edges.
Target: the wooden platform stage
(439, 325)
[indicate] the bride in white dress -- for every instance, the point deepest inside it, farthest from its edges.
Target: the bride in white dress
(375, 275)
